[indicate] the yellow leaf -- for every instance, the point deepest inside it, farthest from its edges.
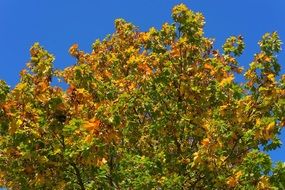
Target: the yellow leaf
(238, 174)
(81, 90)
(263, 183)
(270, 126)
(233, 180)
(42, 98)
(197, 159)
(43, 159)
(21, 86)
(57, 150)
(88, 138)
(223, 158)
(268, 132)
(227, 80)
(271, 77)
(145, 36)
(19, 122)
(258, 122)
(39, 179)
(2, 174)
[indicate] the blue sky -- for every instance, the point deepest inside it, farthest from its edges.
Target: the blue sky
(57, 24)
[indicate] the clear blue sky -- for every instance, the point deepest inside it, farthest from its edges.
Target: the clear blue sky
(57, 24)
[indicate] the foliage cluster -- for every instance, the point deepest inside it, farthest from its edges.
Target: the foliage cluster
(146, 110)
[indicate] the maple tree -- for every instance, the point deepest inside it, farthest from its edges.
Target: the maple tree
(157, 110)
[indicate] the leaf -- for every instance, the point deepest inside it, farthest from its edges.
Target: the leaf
(268, 132)
(271, 77)
(88, 139)
(196, 159)
(73, 50)
(227, 81)
(208, 66)
(263, 183)
(21, 86)
(233, 180)
(146, 110)
(205, 142)
(92, 125)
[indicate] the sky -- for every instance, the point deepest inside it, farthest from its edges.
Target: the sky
(57, 24)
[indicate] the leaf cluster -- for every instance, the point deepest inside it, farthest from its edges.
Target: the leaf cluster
(160, 109)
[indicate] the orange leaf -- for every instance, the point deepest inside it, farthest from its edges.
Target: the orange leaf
(208, 66)
(73, 50)
(205, 142)
(92, 125)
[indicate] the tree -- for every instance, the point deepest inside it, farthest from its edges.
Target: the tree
(154, 110)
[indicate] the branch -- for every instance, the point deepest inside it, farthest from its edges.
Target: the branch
(78, 175)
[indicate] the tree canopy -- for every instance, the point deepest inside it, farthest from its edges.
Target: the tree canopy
(160, 109)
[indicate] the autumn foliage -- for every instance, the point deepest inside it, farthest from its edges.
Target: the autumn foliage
(160, 109)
